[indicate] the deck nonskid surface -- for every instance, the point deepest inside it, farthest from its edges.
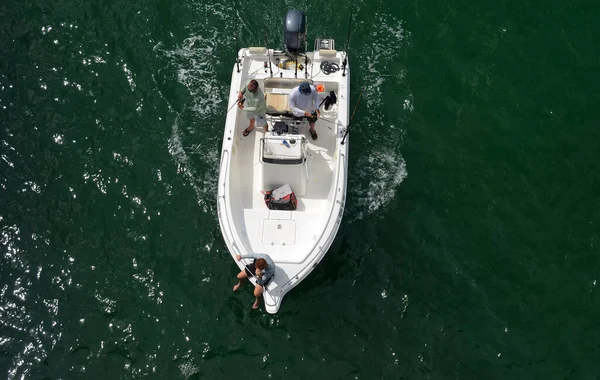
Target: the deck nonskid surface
(307, 222)
(320, 164)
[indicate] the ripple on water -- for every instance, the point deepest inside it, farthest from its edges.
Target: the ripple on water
(194, 134)
(380, 169)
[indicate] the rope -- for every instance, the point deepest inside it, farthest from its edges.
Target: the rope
(329, 67)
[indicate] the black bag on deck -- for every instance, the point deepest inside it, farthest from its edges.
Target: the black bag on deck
(282, 198)
(280, 127)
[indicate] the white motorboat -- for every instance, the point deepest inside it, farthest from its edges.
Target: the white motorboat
(316, 170)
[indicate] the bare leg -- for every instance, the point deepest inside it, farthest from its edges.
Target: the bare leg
(313, 133)
(266, 126)
(241, 277)
(257, 293)
(251, 126)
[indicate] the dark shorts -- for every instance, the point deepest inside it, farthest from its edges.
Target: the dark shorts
(251, 270)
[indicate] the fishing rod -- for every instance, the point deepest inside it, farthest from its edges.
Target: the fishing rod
(323, 101)
(241, 101)
(347, 44)
(237, 49)
(352, 118)
(268, 52)
(297, 50)
(237, 57)
(305, 65)
(305, 48)
(329, 121)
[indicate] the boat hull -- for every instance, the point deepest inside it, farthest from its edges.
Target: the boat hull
(296, 240)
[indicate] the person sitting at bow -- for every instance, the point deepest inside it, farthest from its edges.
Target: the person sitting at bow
(263, 268)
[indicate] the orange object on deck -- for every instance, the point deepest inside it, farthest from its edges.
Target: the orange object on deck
(320, 87)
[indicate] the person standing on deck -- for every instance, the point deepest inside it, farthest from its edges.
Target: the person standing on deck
(255, 107)
(263, 268)
(303, 101)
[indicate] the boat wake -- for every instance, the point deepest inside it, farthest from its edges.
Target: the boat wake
(374, 185)
(378, 171)
(194, 142)
(380, 168)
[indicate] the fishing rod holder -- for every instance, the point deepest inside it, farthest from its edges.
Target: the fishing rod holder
(344, 132)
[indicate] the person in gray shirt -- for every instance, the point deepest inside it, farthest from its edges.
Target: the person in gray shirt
(263, 268)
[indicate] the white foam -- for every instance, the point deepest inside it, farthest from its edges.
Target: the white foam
(202, 179)
(375, 182)
(194, 147)
(188, 369)
(381, 169)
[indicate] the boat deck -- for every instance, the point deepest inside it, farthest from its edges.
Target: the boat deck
(285, 235)
(320, 164)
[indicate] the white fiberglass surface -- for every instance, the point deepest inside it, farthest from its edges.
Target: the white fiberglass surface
(302, 227)
(246, 168)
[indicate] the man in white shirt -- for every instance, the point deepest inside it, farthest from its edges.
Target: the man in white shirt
(303, 102)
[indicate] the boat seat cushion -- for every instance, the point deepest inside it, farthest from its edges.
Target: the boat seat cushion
(257, 50)
(277, 104)
(276, 90)
(323, 53)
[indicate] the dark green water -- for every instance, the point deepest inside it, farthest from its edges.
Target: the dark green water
(469, 249)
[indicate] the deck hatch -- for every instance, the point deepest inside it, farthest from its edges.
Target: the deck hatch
(279, 232)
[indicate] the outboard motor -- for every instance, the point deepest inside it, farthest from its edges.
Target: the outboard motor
(295, 32)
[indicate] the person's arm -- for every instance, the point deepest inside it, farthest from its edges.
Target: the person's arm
(262, 104)
(268, 273)
(241, 94)
(293, 103)
(250, 256)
